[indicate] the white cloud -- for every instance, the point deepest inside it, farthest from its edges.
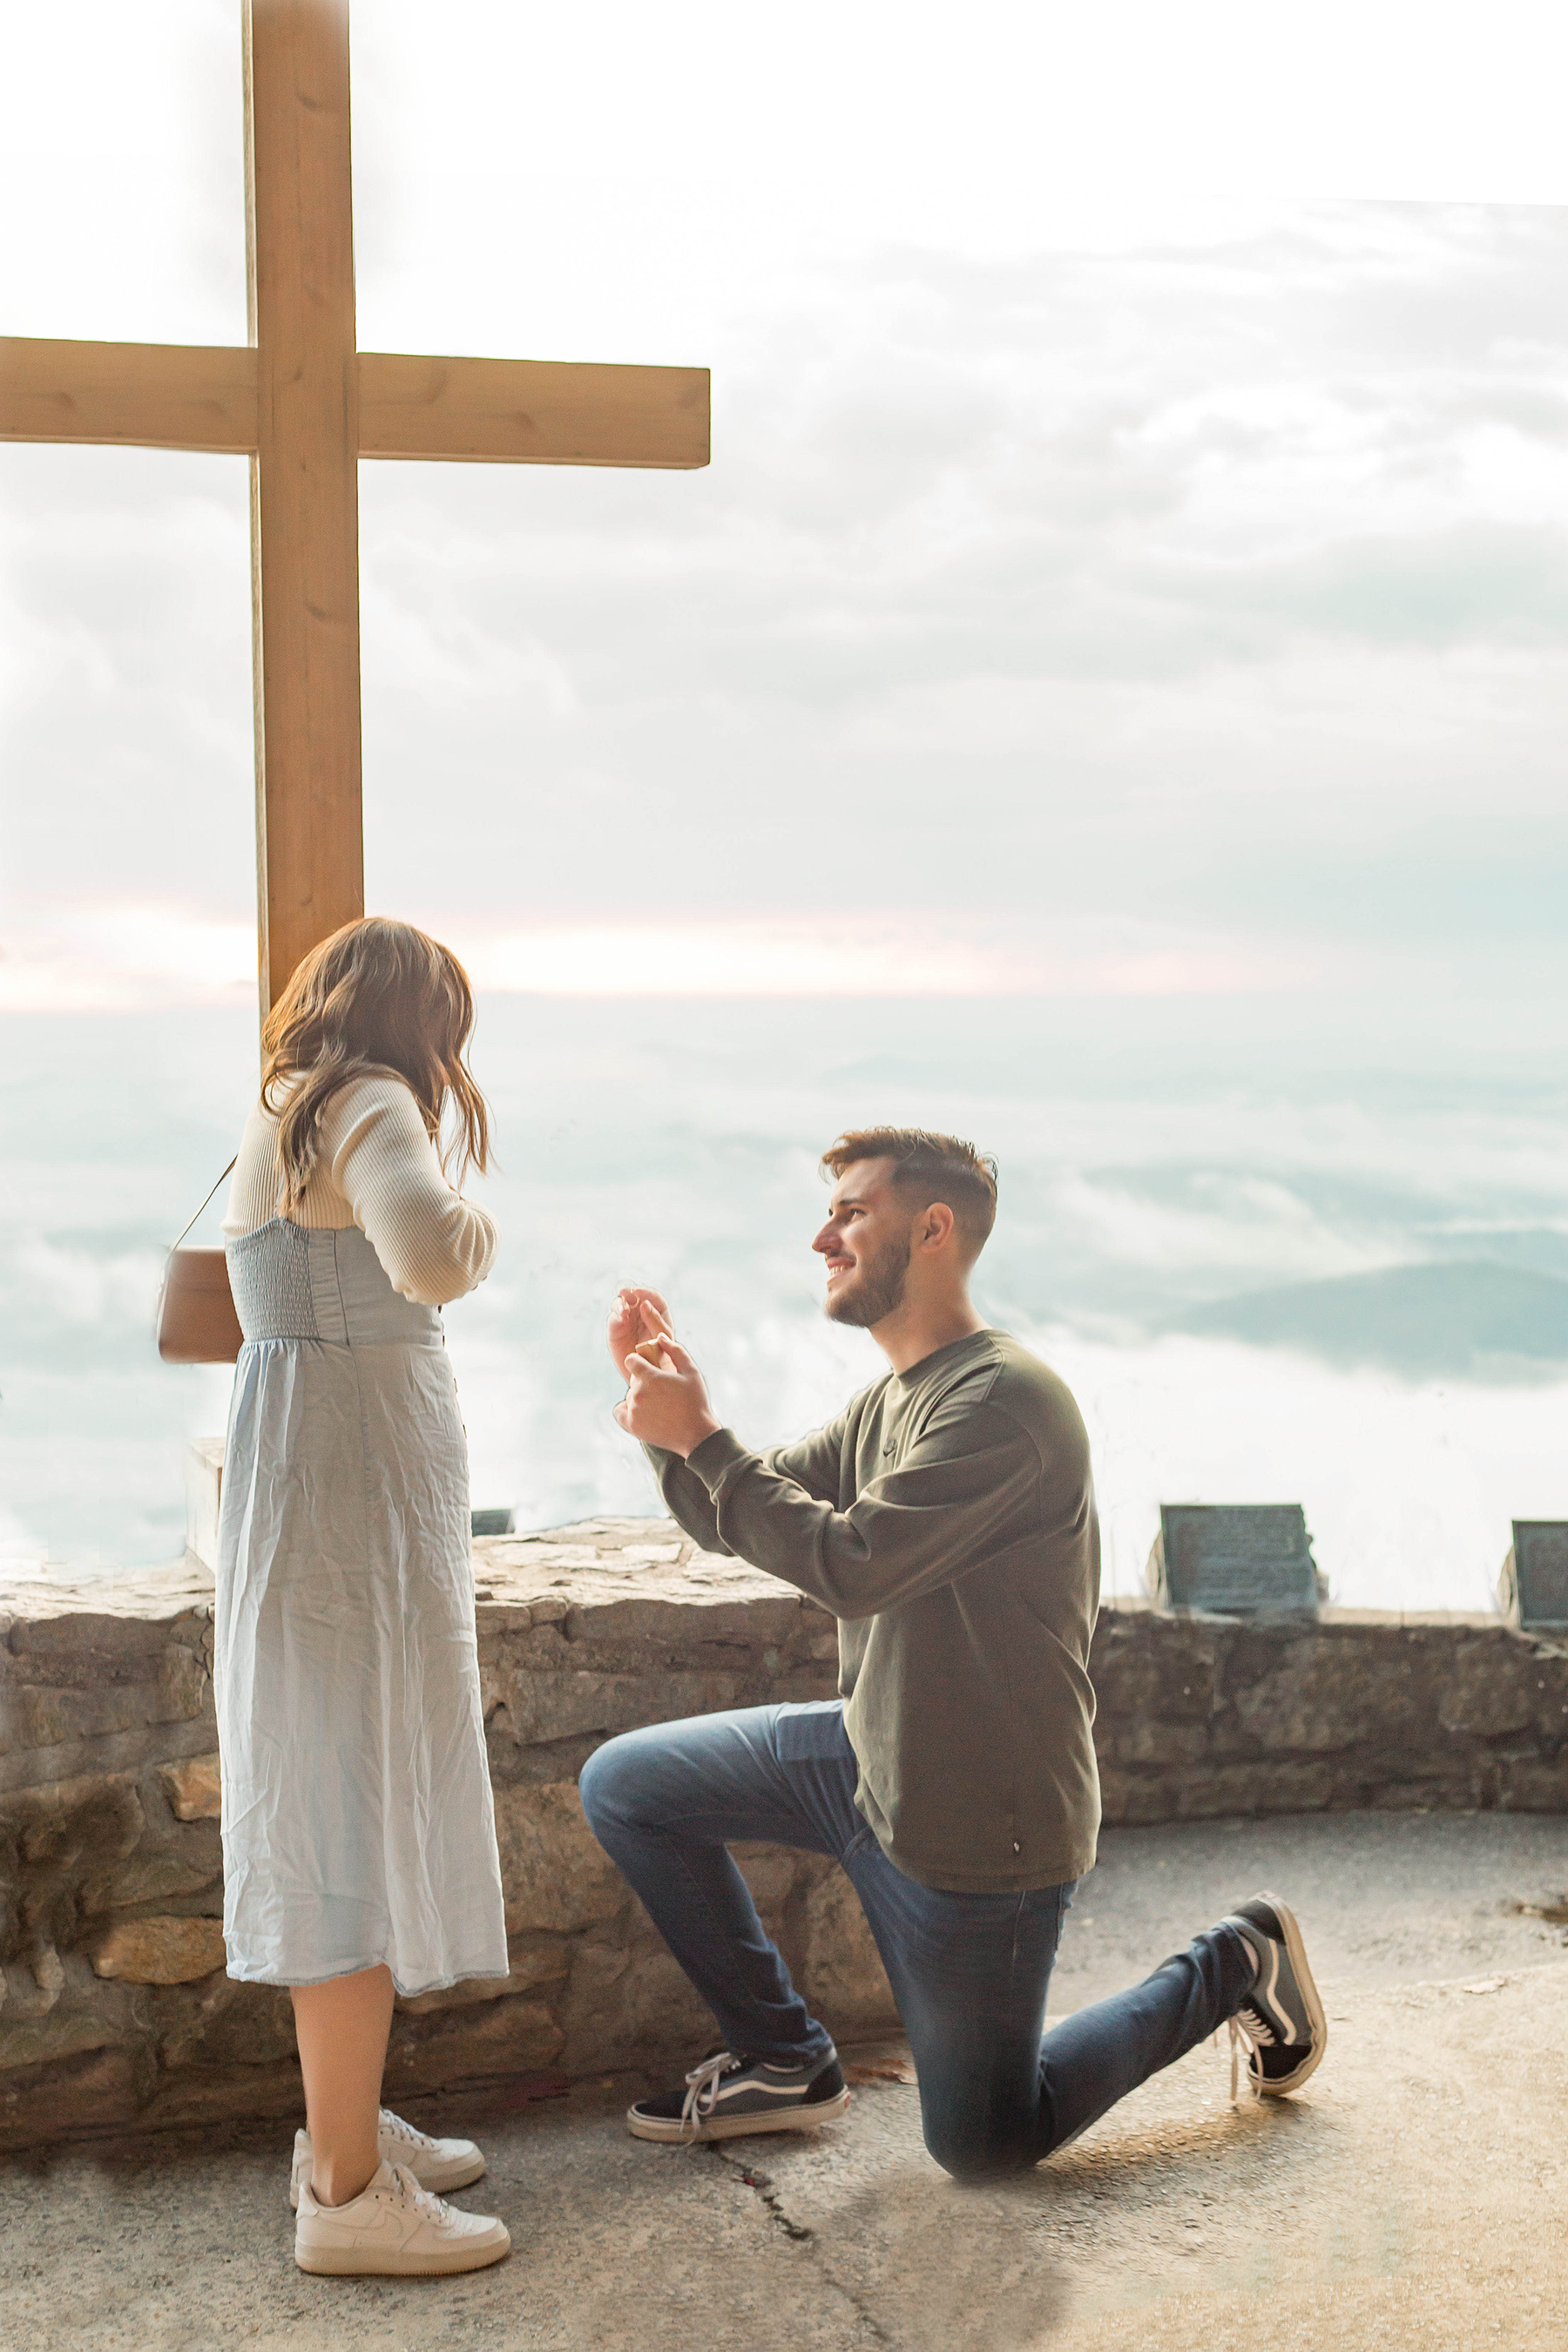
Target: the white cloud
(1408, 1492)
(1251, 1228)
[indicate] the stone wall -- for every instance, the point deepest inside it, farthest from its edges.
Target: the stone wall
(116, 2011)
(1200, 1718)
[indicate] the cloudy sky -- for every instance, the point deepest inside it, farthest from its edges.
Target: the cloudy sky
(1132, 584)
(1134, 561)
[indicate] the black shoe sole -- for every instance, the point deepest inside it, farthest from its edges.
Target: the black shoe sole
(672, 2131)
(1296, 1952)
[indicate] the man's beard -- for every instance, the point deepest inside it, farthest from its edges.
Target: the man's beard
(877, 1289)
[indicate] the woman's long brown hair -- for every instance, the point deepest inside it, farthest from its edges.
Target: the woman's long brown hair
(377, 997)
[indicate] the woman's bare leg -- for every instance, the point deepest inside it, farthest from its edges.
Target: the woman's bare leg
(342, 2028)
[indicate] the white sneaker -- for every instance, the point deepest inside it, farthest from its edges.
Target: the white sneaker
(394, 2229)
(438, 2164)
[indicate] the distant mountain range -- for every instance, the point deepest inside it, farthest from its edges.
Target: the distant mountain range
(1471, 1318)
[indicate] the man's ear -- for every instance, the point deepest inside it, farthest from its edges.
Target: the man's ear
(937, 1225)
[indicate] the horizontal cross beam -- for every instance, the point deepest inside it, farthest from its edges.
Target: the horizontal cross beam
(141, 396)
(531, 412)
(507, 412)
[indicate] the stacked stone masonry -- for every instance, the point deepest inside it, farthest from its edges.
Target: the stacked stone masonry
(115, 2009)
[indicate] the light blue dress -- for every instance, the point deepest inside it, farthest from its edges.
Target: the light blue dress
(357, 1819)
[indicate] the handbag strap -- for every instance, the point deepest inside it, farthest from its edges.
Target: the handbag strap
(227, 1171)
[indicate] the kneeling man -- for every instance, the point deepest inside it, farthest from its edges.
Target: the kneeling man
(946, 1517)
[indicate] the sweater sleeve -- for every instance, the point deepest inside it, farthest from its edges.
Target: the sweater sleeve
(971, 1473)
(811, 1462)
(434, 1244)
(252, 1194)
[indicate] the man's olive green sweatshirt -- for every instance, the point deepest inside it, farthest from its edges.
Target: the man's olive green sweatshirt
(947, 1519)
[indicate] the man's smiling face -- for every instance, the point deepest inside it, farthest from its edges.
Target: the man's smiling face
(865, 1246)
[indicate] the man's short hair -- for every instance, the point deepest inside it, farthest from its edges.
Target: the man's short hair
(928, 1168)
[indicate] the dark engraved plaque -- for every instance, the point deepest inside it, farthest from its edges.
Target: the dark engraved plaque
(1533, 1587)
(490, 1523)
(1234, 1560)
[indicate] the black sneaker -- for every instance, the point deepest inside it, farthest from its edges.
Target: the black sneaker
(728, 2095)
(1281, 2021)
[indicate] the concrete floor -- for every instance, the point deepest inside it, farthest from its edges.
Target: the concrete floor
(1415, 2196)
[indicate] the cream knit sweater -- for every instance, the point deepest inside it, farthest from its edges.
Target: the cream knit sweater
(377, 1170)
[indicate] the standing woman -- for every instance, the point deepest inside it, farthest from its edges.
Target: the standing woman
(358, 1832)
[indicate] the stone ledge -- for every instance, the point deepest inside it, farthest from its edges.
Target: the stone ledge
(109, 1849)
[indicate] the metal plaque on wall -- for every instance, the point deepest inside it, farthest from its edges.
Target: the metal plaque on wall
(1533, 1587)
(1234, 1560)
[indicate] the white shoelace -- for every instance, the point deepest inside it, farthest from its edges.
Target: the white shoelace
(702, 2087)
(396, 2128)
(425, 2202)
(1256, 2034)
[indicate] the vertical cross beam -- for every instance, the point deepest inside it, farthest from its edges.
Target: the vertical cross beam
(304, 477)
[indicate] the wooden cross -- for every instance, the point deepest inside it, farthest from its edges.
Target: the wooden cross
(305, 404)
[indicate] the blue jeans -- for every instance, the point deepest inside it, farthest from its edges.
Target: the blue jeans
(969, 1972)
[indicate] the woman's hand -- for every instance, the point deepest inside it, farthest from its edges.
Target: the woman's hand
(666, 1404)
(636, 1314)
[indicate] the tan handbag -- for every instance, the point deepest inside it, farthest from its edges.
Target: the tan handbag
(196, 1321)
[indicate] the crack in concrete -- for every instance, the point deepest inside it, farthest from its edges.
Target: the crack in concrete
(868, 2319)
(764, 2189)
(762, 2185)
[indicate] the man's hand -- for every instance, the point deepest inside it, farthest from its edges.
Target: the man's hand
(636, 1314)
(666, 1404)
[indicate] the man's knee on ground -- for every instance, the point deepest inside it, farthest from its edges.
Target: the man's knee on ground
(973, 2157)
